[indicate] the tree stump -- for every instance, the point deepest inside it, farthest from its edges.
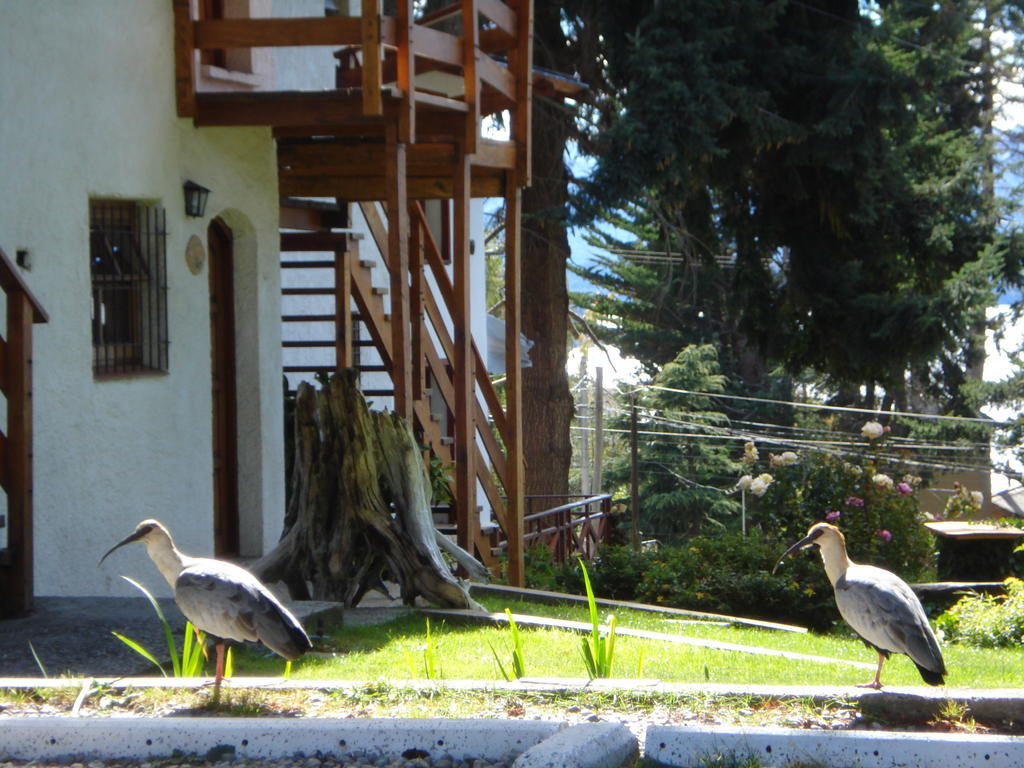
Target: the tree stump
(359, 511)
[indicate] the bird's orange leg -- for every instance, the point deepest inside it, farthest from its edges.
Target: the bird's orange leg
(220, 664)
(877, 682)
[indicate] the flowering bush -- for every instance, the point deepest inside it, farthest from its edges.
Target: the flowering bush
(878, 516)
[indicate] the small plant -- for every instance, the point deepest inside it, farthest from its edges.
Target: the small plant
(518, 660)
(193, 646)
(598, 649)
(431, 662)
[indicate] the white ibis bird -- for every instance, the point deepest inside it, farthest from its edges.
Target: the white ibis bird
(880, 607)
(219, 598)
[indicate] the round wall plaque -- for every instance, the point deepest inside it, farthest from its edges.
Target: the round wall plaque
(195, 254)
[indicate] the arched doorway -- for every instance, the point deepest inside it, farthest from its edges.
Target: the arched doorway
(222, 368)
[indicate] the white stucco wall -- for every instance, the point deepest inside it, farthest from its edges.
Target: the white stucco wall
(88, 111)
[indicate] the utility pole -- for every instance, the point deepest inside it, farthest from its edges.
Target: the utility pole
(634, 479)
(598, 429)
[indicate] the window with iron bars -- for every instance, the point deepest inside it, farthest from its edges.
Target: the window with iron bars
(127, 257)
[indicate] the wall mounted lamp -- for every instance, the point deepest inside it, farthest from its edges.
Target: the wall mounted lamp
(195, 198)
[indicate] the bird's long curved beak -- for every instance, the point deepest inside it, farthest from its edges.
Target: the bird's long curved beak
(806, 541)
(135, 536)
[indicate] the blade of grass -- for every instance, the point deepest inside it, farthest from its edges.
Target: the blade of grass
(141, 651)
(171, 646)
(36, 657)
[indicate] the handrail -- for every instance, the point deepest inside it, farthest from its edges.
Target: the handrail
(567, 507)
(11, 282)
(570, 533)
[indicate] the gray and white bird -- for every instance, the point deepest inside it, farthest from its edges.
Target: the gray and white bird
(220, 598)
(880, 607)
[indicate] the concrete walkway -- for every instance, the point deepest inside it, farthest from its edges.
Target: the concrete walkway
(72, 635)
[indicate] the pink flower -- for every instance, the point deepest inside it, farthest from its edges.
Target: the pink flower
(855, 501)
(832, 516)
(904, 489)
(884, 535)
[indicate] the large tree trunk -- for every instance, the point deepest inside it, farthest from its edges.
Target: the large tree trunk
(359, 510)
(547, 402)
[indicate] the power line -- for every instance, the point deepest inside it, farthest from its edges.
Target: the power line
(822, 407)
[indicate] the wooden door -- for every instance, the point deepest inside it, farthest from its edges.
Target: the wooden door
(222, 367)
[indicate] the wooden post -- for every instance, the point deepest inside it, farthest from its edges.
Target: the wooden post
(471, 79)
(521, 64)
(416, 287)
(463, 373)
(598, 430)
(17, 588)
(184, 59)
(406, 73)
(515, 482)
(398, 263)
(343, 261)
(583, 419)
(373, 103)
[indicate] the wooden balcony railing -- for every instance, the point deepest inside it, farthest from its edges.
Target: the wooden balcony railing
(16, 586)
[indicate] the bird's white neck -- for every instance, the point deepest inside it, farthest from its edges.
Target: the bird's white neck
(833, 555)
(168, 560)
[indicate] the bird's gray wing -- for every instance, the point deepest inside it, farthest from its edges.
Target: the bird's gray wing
(227, 601)
(884, 610)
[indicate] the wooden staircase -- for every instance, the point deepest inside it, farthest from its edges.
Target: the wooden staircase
(23, 310)
(402, 125)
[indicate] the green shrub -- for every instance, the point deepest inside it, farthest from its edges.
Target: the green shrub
(727, 573)
(987, 621)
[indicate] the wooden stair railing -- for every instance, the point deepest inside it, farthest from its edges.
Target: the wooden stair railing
(490, 461)
(23, 310)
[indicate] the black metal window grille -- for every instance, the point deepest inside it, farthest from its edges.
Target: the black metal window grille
(127, 257)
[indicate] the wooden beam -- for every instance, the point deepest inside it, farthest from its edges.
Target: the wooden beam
(184, 59)
(360, 190)
(329, 158)
(371, 22)
(496, 76)
(435, 45)
(314, 241)
(495, 154)
(463, 373)
(398, 266)
(321, 113)
(361, 159)
(504, 18)
(278, 32)
(515, 483)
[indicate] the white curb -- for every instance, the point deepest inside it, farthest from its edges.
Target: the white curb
(586, 745)
(682, 746)
(61, 738)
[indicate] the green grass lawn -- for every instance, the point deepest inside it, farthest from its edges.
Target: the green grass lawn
(462, 650)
